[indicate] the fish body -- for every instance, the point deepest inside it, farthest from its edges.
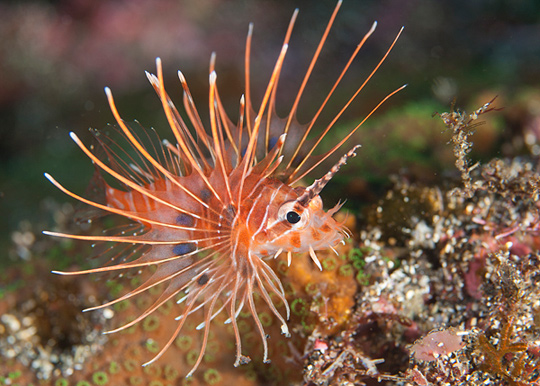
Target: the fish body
(217, 204)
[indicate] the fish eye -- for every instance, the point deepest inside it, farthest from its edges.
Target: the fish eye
(293, 217)
(293, 214)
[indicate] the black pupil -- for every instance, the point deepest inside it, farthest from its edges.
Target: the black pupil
(293, 217)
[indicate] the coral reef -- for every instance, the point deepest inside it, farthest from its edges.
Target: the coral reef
(437, 286)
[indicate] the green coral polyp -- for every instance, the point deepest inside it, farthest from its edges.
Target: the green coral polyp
(359, 264)
(135, 281)
(156, 290)
(265, 318)
(152, 346)
(212, 376)
(209, 357)
(114, 368)
(308, 328)
(362, 278)
(298, 307)
(183, 342)
(130, 365)
(166, 308)
(129, 330)
(122, 306)
(312, 288)
(151, 323)
(170, 373)
(212, 347)
(143, 303)
(276, 300)
(329, 264)
(188, 381)
(282, 268)
(100, 378)
(191, 357)
(289, 289)
(115, 288)
(152, 370)
(346, 270)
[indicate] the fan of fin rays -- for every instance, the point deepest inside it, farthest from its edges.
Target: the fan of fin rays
(204, 265)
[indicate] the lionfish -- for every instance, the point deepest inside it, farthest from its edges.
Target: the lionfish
(216, 205)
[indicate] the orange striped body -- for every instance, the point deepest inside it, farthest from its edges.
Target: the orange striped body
(260, 229)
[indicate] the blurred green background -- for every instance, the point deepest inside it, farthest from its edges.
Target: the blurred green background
(56, 57)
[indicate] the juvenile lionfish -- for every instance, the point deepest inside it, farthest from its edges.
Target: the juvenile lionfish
(214, 206)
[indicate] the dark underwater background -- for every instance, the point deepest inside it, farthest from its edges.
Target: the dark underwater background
(56, 57)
